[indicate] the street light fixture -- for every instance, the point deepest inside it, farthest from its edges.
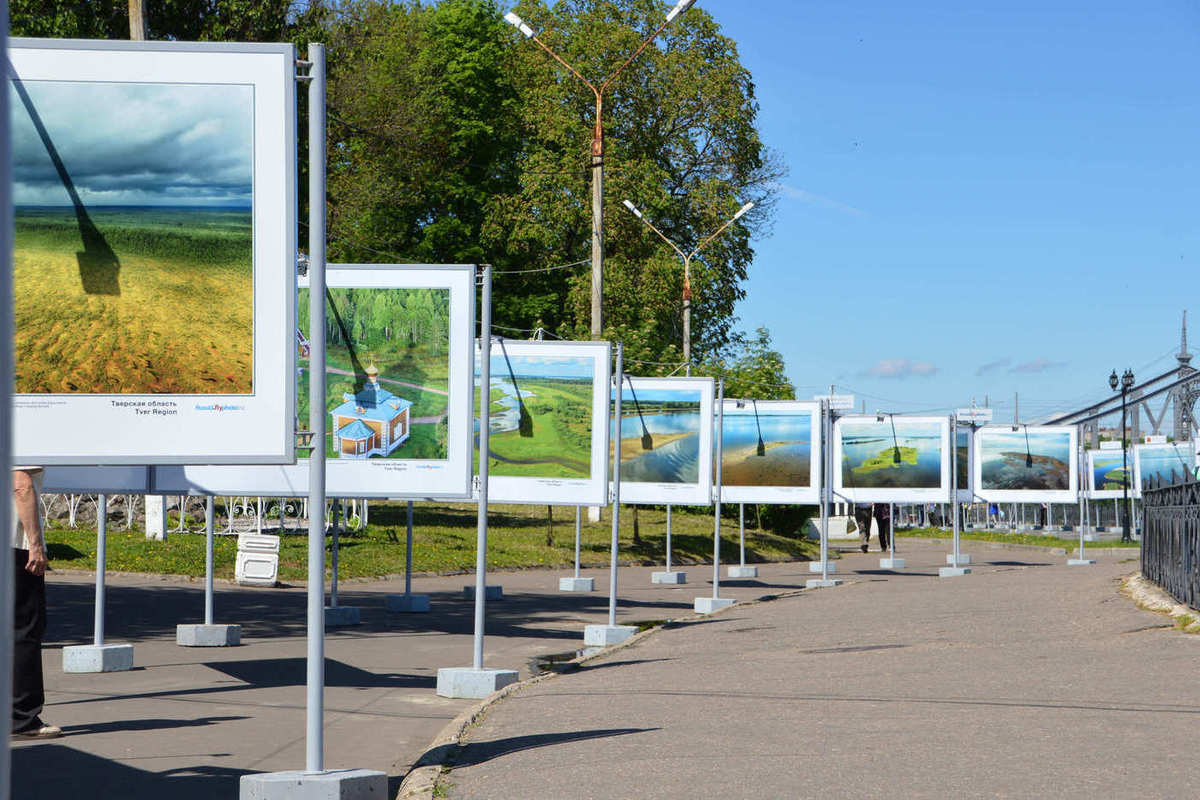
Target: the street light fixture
(1124, 383)
(597, 321)
(687, 270)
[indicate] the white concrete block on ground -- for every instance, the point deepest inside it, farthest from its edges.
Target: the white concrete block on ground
(489, 592)
(963, 558)
(605, 635)
(577, 584)
(707, 605)
(953, 572)
(333, 784)
(816, 566)
(1079, 562)
(668, 577)
(408, 603)
(98, 658)
(821, 583)
(742, 572)
(208, 635)
(342, 616)
(472, 683)
(891, 563)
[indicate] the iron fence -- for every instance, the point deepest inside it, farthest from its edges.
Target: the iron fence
(1171, 537)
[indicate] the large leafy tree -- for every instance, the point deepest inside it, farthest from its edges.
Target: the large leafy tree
(183, 20)
(751, 367)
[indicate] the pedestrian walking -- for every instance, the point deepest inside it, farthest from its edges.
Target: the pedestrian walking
(883, 521)
(862, 519)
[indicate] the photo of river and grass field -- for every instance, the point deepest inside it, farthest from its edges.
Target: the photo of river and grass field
(133, 259)
(1021, 460)
(876, 457)
(1164, 462)
(786, 453)
(670, 423)
(1108, 474)
(401, 339)
(540, 423)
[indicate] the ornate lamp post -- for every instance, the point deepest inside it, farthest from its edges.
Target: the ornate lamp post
(1124, 384)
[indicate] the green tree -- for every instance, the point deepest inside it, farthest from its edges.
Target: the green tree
(181, 20)
(751, 367)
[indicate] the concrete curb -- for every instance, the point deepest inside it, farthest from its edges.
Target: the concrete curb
(1152, 597)
(976, 544)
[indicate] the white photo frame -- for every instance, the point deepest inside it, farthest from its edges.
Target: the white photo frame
(217, 390)
(1099, 464)
(679, 470)
(994, 472)
(918, 440)
(577, 372)
(1161, 460)
(789, 471)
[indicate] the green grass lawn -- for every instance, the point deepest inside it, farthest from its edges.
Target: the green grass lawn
(1011, 538)
(444, 540)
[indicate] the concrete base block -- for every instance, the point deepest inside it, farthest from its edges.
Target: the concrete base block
(953, 572)
(577, 584)
(668, 577)
(489, 592)
(963, 558)
(408, 603)
(742, 572)
(98, 658)
(707, 605)
(1101, 529)
(472, 683)
(605, 635)
(819, 583)
(208, 635)
(891, 563)
(816, 566)
(334, 784)
(342, 616)
(1080, 562)
(1087, 537)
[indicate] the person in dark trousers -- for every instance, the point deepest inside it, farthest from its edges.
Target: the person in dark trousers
(883, 520)
(862, 519)
(29, 583)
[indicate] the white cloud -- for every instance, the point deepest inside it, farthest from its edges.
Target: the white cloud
(1037, 365)
(900, 368)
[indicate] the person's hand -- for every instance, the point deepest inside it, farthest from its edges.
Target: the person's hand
(37, 562)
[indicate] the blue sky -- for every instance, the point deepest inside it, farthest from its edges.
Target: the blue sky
(983, 198)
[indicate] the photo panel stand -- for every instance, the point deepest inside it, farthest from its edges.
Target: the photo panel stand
(612, 633)
(741, 571)
(707, 605)
(891, 562)
(823, 566)
(577, 583)
(7, 370)
(476, 681)
(98, 656)
(208, 634)
(315, 781)
(408, 603)
(336, 615)
(668, 575)
(1082, 560)
(956, 561)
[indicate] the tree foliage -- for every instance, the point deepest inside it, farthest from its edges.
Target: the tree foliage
(751, 367)
(181, 20)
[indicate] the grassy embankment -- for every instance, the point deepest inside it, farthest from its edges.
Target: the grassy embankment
(1040, 540)
(444, 540)
(561, 443)
(175, 314)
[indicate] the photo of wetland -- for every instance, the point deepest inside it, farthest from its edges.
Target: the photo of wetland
(660, 435)
(784, 457)
(540, 423)
(1108, 472)
(387, 372)
(1025, 460)
(133, 265)
(1164, 462)
(876, 455)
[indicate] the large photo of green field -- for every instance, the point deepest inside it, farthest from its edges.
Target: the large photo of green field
(540, 413)
(387, 365)
(133, 259)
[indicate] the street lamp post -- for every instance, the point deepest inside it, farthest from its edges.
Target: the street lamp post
(597, 322)
(687, 270)
(1124, 384)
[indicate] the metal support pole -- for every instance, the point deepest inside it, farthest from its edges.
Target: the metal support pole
(334, 530)
(209, 518)
(314, 732)
(891, 530)
(826, 477)
(619, 378)
(6, 389)
(481, 521)
(578, 536)
(1125, 535)
(742, 531)
(408, 541)
(597, 322)
(101, 558)
(717, 498)
(954, 505)
(668, 537)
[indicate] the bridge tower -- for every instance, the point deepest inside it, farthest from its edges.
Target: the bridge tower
(1185, 395)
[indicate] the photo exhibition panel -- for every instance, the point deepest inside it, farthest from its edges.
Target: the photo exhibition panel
(887, 458)
(1026, 464)
(666, 436)
(770, 452)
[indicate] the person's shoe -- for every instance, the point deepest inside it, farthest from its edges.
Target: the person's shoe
(38, 730)
(864, 548)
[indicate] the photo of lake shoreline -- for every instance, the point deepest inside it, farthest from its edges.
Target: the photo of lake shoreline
(672, 419)
(1033, 460)
(873, 456)
(787, 448)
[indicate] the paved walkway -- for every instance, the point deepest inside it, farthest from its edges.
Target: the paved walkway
(1027, 678)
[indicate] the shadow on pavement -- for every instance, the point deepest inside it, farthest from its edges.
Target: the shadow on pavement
(478, 752)
(143, 725)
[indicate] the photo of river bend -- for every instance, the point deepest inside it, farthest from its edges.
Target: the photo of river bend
(1108, 472)
(671, 417)
(1010, 461)
(786, 458)
(875, 457)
